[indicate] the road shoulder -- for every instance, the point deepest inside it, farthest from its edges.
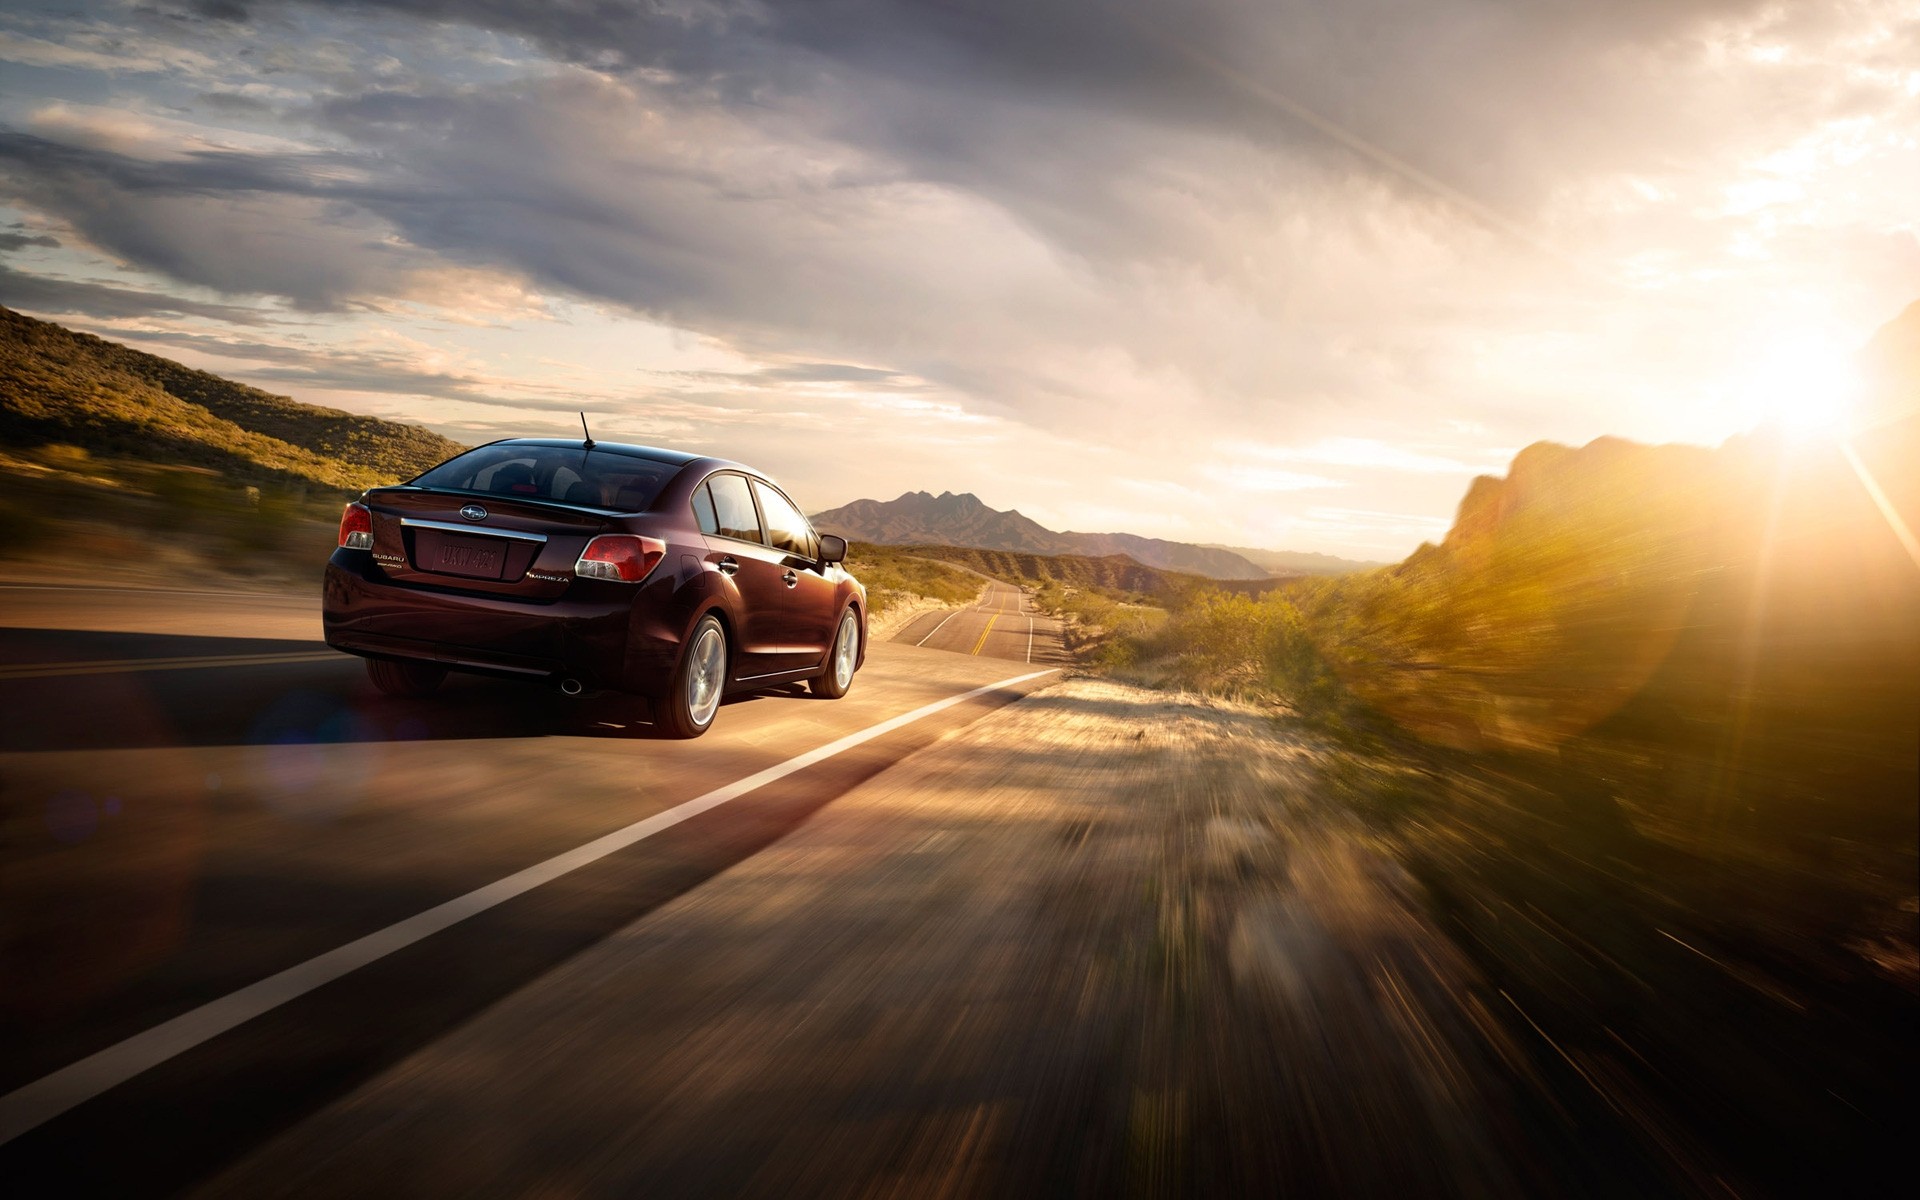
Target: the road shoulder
(1102, 940)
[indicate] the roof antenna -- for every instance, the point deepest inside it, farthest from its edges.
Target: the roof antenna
(588, 444)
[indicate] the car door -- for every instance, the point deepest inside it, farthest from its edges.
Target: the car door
(738, 550)
(806, 621)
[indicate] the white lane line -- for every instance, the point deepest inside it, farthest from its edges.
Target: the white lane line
(942, 625)
(1029, 640)
(46, 1098)
(109, 590)
(203, 662)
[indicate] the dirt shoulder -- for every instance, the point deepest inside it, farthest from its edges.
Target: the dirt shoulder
(1104, 940)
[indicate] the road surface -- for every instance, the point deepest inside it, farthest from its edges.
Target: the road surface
(198, 796)
(967, 932)
(1003, 623)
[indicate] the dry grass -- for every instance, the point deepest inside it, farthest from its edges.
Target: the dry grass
(895, 579)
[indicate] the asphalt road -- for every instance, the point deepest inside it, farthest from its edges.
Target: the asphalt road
(196, 796)
(1003, 623)
(265, 932)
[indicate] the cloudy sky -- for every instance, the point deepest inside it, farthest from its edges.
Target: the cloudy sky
(1269, 272)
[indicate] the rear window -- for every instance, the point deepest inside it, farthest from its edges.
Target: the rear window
(709, 521)
(786, 528)
(733, 508)
(587, 478)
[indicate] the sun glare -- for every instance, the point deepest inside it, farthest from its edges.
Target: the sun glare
(1805, 386)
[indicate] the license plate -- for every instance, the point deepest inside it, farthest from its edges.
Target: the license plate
(475, 559)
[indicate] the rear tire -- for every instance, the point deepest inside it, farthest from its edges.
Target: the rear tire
(837, 679)
(411, 679)
(693, 697)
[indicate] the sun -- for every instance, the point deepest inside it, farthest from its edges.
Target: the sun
(1803, 385)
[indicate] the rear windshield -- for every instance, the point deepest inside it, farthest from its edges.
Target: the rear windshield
(587, 478)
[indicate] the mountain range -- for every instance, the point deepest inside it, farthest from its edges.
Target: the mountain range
(1297, 562)
(963, 520)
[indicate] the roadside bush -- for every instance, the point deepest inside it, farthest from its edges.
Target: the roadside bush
(63, 457)
(892, 577)
(23, 528)
(1225, 642)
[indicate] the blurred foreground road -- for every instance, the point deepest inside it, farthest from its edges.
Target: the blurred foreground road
(195, 794)
(1026, 961)
(1061, 936)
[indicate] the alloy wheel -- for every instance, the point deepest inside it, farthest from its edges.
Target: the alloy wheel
(846, 649)
(705, 675)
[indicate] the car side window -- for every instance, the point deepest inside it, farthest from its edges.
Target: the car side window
(733, 508)
(787, 529)
(703, 510)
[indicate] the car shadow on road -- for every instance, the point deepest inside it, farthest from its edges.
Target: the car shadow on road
(53, 680)
(239, 897)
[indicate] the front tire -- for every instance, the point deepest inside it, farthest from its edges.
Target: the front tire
(835, 681)
(409, 679)
(692, 700)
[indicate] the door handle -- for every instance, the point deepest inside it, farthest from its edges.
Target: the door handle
(790, 579)
(728, 565)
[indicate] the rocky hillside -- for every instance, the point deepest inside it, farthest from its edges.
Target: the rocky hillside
(59, 386)
(962, 520)
(1112, 573)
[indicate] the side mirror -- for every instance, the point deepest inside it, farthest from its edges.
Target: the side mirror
(832, 549)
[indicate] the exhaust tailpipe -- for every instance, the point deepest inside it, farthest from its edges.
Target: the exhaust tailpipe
(571, 687)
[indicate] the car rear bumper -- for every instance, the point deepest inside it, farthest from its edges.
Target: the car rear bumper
(600, 637)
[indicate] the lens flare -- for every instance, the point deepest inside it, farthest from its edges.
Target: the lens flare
(1805, 386)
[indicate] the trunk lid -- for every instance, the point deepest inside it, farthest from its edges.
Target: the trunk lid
(491, 545)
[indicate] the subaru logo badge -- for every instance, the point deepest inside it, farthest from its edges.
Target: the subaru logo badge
(473, 512)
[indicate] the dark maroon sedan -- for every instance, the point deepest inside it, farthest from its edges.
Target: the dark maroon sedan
(674, 577)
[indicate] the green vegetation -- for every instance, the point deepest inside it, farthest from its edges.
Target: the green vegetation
(1732, 637)
(127, 462)
(1114, 573)
(1100, 625)
(894, 575)
(1107, 605)
(124, 517)
(1645, 733)
(62, 387)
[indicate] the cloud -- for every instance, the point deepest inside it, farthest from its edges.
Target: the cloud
(1496, 100)
(1332, 231)
(1370, 454)
(1015, 201)
(111, 54)
(1267, 479)
(833, 373)
(49, 295)
(381, 365)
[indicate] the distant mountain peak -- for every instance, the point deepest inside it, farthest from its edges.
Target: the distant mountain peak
(963, 519)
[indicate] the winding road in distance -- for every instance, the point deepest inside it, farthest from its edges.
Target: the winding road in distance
(237, 881)
(1003, 623)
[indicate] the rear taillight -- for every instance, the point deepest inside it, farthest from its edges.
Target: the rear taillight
(356, 527)
(621, 557)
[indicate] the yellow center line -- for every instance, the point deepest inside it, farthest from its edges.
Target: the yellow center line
(984, 633)
(131, 665)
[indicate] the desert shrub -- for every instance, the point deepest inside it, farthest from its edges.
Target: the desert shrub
(267, 523)
(61, 456)
(893, 577)
(24, 527)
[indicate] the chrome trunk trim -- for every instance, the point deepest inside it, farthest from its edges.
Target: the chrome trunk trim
(488, 530)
